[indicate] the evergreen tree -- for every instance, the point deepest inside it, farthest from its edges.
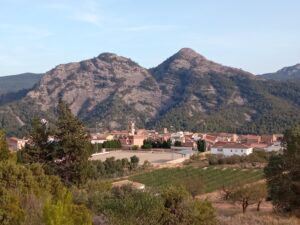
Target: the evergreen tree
(4, 151)
(201, 145)
(73, 151)
(39, 149)
(283, 174)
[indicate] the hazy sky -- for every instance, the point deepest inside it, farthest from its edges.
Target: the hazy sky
(256, 35)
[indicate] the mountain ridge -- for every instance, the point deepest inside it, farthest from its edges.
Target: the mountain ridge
(286, 73)
(15, 83)
(186, 91)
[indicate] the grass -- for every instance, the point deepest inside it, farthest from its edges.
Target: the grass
(256, 218)
(212, 177)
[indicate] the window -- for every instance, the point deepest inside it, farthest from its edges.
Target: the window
(220, 149)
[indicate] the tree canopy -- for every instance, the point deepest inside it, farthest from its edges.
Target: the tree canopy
(283, 174)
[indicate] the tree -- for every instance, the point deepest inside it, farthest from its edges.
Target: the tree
(283, 174)
(242, 195)
(150, 143)
(134, 162)
(125, 206)
(72, 154)
(259, 194)
(39, 149)
(177, 143)
(11, 212)
(112, 144)
(66, 154)
(181, 209)
(201, 145)
(227, 191)
(4, 151)
(64, 212)
(193, 186)
(249, 194)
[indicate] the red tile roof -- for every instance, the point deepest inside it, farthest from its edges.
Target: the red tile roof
(230, 145)
(252, 137)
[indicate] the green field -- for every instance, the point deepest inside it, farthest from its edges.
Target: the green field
(212, 177)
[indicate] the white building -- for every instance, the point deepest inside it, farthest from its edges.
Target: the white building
(231, 148)
(275, 147)
(178, 136)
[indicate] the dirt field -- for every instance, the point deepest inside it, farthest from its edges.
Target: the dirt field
(156, 158)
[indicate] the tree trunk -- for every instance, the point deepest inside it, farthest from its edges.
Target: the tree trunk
(258, 206)
(245, 205)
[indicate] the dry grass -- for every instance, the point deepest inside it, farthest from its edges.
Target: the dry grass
(255, 218)
(231, 214)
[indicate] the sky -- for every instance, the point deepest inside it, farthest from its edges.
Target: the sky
(258, 36)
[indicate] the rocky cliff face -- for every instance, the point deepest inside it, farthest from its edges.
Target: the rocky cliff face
(188, 76)
(186, 91)
(103, 80)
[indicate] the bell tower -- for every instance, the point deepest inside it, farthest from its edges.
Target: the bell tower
(131, 128)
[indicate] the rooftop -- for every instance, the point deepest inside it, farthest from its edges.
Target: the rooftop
(230, 145)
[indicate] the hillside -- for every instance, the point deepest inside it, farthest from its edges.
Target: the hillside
(287, 73)
(186, 91)
(15, 87)
(19, 82)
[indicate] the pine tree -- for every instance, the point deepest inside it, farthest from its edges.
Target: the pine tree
(283, 174)
(4, 151)
(73, 141)
(201, 145)
(39, 149)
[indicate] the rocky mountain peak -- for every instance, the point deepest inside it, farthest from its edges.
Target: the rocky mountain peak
(111, 57)
(189, 60)
(188, 54)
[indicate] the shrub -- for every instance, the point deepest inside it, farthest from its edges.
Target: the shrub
(134, 147)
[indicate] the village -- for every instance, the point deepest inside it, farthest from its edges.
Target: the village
(175, 147)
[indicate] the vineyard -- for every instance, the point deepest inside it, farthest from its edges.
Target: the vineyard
(213, 178)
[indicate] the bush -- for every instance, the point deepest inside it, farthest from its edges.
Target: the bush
(111, 167)
(178, 144)
(149, 143)
(134, 147)
(235, 159)
(255, 157)
(213, 159)
(124, 206)
(146, 146)
(115, 144)
(134, 161)
(146, 165)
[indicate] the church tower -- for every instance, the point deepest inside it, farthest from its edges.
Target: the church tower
(131, 128)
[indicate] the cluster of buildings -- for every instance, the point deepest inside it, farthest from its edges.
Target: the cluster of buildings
(217, 143)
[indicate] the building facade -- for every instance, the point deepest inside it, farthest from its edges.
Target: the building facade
(230, 149)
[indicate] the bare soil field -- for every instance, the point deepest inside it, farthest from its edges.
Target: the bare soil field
(154, 157)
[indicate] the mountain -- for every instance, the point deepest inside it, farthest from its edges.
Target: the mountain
(287, 73)
(186, 91)
(15, 87)
(15, 83)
